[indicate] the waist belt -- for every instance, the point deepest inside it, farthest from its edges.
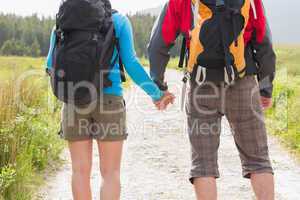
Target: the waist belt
(216, 75)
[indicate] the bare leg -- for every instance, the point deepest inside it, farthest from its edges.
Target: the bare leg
(263, 186)
(81, 155)
(110, 166)
(206, 188)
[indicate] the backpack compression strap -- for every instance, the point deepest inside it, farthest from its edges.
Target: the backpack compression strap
(229, 71)
(122, 70)
(183, 53)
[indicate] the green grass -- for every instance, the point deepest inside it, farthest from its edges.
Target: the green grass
(289, 57)
(284, 118)
(13, 65)
(173, 63)
(28, 140)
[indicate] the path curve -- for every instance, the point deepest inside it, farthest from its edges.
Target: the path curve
(156, 159)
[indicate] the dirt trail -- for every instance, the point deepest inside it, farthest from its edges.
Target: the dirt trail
(156, 159)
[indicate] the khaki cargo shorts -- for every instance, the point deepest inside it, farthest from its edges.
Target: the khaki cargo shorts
(103, 120)
(241, 106)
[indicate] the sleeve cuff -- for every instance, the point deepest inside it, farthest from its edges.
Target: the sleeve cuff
(266, 93)
(161, 86)
(158, 96)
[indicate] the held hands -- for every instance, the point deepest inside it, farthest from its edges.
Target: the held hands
(266, 102)
(163, 103)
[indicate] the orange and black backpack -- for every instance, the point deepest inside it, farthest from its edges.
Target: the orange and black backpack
(217, 45)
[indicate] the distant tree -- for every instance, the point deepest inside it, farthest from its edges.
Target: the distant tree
(8, 47)
(14, 47)
(35, 49)
(30, 35)
(142, 27)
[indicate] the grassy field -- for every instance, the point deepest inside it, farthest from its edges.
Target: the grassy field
(28, 143)
(284, 118)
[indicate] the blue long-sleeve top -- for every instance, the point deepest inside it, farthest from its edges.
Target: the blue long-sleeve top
(131, 63)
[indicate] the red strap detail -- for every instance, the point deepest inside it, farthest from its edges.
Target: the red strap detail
(259, 24)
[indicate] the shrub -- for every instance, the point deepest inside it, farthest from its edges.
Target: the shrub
(28, 142)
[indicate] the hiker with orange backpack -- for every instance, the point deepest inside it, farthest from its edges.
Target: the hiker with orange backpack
(228, 51)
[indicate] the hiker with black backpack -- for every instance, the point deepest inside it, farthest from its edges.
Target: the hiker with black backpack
(227, 47)
(89, 46)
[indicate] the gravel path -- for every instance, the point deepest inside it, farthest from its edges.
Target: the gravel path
(156, 159)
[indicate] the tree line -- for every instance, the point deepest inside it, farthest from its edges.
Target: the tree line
(30, 35)
(24, 36)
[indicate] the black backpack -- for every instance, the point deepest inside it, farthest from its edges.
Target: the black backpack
(217, 45)
(82, 57)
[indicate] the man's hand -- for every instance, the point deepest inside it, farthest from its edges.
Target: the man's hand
(266, 102)
(163, 103)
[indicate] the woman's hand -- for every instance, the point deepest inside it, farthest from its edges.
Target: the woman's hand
(163, 103)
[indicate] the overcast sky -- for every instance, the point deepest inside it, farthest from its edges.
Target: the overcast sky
(49, 7)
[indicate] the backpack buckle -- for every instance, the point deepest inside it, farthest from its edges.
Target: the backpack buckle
(220, 3)
(60, 34)
(229, 77)
(201, 75)
(95, 37)
(186, 77)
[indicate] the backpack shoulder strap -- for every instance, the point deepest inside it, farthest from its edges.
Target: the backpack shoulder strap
(122, 69)
(113, 11)
(183, 53)
(117, 44)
